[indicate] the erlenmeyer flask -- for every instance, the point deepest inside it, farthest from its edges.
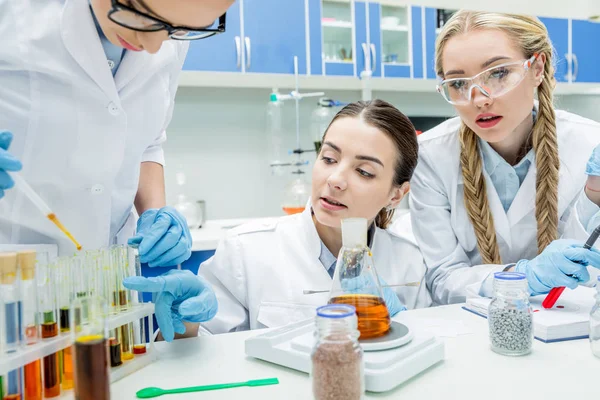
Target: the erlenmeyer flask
(355, 281)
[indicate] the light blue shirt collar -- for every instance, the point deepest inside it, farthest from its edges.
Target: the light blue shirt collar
(491, 159)
(114, 54)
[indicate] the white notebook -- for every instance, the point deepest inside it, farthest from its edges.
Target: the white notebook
(567, 320)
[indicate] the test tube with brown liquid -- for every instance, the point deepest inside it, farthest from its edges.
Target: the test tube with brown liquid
(47, 279)
(88, 331)
(122, 271)
(135, 269)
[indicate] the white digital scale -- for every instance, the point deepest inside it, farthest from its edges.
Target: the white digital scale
(389, 361)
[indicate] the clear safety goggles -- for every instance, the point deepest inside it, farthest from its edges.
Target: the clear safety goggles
(493, 82)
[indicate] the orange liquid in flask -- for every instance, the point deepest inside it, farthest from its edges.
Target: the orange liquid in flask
(293, 210)
(52, 217)
(373, 316)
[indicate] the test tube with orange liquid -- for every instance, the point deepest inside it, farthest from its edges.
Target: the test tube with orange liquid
(42, 206)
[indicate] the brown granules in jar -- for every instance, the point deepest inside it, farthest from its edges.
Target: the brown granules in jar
(337, 371)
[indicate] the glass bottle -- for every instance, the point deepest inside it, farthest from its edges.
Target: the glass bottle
(510, 317)
(337, 367)
(89, 333)
(595, 323)
(356, 283)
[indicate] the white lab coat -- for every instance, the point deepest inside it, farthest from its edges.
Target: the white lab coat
(441, 223)
(260, 270)
(80, 134)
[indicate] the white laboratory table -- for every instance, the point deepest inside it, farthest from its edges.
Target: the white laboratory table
(471, 370)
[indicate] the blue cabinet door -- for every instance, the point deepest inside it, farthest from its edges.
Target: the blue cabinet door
(274, 32)
(430, 37)
(220, 52)
(375, 37)
(586, 51)
(316, 37)
(416, 14)
(558, 29)
(360, 36)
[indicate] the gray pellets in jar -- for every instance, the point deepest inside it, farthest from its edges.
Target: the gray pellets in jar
(337, 372)
(511, 331)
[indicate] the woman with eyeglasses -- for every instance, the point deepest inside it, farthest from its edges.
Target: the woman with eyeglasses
(261, 270)
(86, 93)
(497, 186)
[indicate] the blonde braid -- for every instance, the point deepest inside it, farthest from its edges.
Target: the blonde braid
(547, 162)
(475, 194)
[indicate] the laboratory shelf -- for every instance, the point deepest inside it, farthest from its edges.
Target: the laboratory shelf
(337, 24)
(397, 28)
(26, 355)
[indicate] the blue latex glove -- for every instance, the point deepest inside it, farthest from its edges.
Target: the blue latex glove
(7, 163)
(593, 164)
(179, 296)
(163, 237)
(562, 263)
(365, 285)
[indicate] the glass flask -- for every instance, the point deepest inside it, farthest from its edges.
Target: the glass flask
(356, 283)
(296, 196)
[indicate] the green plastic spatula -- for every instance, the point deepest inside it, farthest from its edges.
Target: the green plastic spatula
(150, 392)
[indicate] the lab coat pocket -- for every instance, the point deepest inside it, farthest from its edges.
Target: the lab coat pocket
(276, 314)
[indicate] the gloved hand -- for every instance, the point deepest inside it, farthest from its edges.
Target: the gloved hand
(562, 263)
(365, 285)
(7, 162)
(163, 237)
(593, 164)
(179, 296)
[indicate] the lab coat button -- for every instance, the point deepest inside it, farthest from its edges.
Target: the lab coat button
(111, 64)
(113, 109)
(97, 189)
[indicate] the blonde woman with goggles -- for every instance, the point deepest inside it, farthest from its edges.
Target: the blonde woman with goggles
(497, 186)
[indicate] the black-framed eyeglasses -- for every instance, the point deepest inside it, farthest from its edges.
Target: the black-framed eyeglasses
(131, 18)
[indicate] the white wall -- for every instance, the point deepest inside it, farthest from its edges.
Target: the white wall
(218, 138)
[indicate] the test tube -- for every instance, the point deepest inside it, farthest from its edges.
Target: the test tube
(135, 268)
(49, 320)
(114, 348)
(30, 328)
(64, 297)
(108, 262)
(125, 337)
(121, 264)
(9, 294)
(88, 331)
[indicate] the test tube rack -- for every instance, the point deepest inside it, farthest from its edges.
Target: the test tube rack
(24, 356)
